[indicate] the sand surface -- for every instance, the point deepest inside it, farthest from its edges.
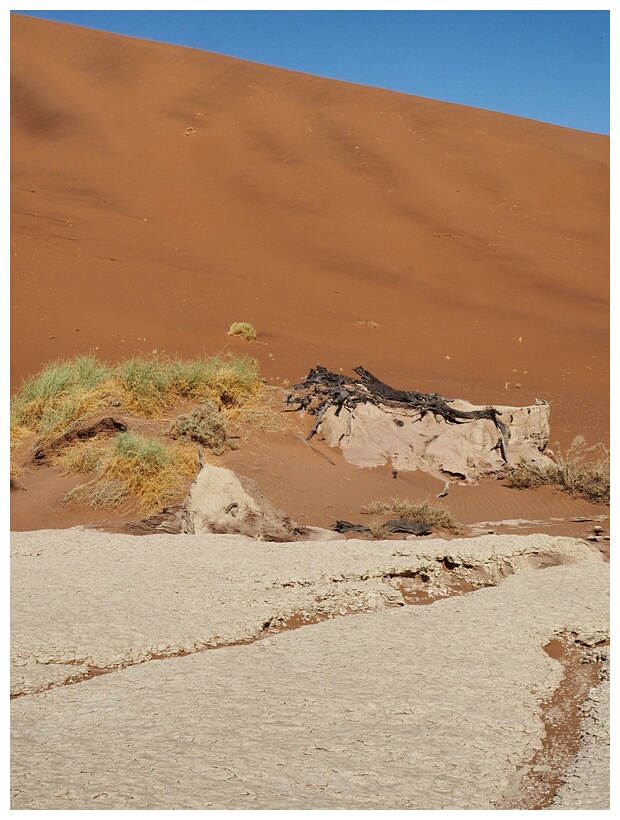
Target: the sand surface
(160, 194)
(477, 241)
(406, 707)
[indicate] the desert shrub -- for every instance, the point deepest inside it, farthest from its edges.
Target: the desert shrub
(206, 426)
(422, 511)
(576, 472)
(154, 385)
(65, 391)
(244, 330)
(83, 456)
(60, 393)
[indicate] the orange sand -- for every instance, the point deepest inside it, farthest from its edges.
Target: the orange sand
(161, 193)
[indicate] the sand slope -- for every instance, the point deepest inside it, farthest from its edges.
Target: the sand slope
(161, 193)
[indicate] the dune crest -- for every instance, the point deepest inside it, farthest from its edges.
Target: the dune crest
(162, 193)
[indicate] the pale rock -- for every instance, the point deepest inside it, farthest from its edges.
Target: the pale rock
(220, 501)
(371, 436)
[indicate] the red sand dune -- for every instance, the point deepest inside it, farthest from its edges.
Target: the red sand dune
(161, 193)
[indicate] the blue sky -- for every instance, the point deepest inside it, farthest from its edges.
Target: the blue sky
(546, 65)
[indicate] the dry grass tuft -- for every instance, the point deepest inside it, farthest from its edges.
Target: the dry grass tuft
(186, 462)
(66, 391)
(81, 494)
(131, 467)
(61, 393)
(206, 426)
(108, 494)
(151, 472)
(575, 472)
(379, 530)
(153, 386)
(266, 418)
(422, 511)
(83, 456)
(244, 330)
(145, 467)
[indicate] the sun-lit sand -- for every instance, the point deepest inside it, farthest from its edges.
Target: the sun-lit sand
(161, 194)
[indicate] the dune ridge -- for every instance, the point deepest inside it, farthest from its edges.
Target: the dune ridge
(161, 193)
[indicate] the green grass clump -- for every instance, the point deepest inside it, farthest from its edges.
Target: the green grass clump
(243, 329)
(152, 472)
(133, 466)
(65, 376)
(62, 392)
(66, 391)
(154, 385)
(206, 426)
(575, 472)
(422, 511)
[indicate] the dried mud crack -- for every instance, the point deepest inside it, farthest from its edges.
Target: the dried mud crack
(415, 589)
(353, 713)
(562, 714)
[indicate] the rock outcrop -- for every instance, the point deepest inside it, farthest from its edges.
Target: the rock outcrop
(371, 435)
(220, 501)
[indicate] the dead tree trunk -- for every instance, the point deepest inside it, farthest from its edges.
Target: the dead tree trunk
(322, 389)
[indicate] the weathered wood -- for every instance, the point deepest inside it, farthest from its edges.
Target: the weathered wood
(81, 430)
(345, 526)
(327, 458)
(393, 525)
(322, 389)
(408, 526)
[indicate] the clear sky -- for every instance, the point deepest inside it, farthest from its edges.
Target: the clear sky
(546, 65)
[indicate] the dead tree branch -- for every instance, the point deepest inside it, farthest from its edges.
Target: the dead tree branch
(322, 389)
